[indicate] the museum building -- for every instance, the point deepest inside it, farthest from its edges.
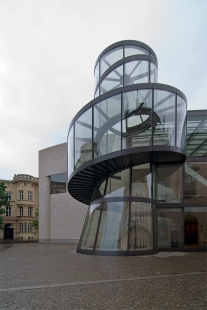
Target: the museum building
(137, 158)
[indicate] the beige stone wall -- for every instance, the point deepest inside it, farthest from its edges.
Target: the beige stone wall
(61, 217)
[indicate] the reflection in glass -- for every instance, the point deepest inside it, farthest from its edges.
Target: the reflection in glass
(83, 138)
(99, 190)
(107, 126)
(153, 73)
(96, 74)
(181, 122)
(118, 184)
(137, 118)
(90, 227)
(136, 72)
(196, 182)
(170, 228)
(110, 58)
(195, 226)
(169, 183)
(112, 80)
(164, 109)
(58, 183)
(130, 50)
(113, 228)
(71, 151)
(140, 231)
(141, 181)
(196, 134)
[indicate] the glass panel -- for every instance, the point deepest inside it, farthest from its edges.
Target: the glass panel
(136, 72)
(140, 231)
(170, 228)
(181, 122)
(153, 73)
(99, 190)
(112, 80)
(118, 184)
(169, 183)
(83, 138)
(96, 74)
(134, 50)
(71, 151)
(58, 183)
(152, 55)
(110, 58)
(113, 229)
(141, 181)
(97, 93)
(89, 231)
(196, 134)
(196, 226)
(137, 121)
(196, 182)
(107, 126)
(164, 118)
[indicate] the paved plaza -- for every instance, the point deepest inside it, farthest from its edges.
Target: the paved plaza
(53, 276)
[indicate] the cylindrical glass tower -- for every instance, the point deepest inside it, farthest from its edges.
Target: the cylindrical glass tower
(121, 147)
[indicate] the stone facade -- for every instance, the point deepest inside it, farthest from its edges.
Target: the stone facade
(23, 196)
(61, 217)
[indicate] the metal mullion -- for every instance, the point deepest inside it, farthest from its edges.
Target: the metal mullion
(92, 132)
(121, 119)
(74, 147)
(176, 125)
(130, 191)
(96, 237)
(152, 119)
(149, 77)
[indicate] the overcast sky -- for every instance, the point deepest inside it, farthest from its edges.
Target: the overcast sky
(48, 49)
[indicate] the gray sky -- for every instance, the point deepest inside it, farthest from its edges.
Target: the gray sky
(48, 49)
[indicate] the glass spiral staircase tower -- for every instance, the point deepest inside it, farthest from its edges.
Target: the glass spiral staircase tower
(121, 147)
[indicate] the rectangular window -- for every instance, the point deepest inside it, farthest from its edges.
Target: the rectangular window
(58, 183)
(21, 228)
(29, 195)
(25, 227)
(9, 196)
(21, 195)
(8, 211)
(29, 211)
(29, 227)
(25, 184)
(21, 211)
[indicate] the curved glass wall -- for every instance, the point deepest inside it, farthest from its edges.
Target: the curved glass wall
(127, 120)
(130, 50)
(140, 227)
(137, 118)
(83, 138)
(110, 58)
(130, 73)
(141, 181)
(107, 126)
(71, 150)
(164, 109)
(113, 228)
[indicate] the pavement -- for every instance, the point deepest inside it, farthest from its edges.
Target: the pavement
(54, 276)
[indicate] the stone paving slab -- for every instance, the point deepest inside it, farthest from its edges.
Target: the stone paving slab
(53, 276)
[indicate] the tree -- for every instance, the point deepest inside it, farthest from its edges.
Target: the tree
(35, 222)
(3, 202)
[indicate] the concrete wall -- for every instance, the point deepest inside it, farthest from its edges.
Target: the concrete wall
(61, 217)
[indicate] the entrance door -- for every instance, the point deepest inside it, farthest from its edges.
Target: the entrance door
(191, 230)
(8, 231)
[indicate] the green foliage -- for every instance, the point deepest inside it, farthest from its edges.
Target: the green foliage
(3, 202)
(35, 222)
